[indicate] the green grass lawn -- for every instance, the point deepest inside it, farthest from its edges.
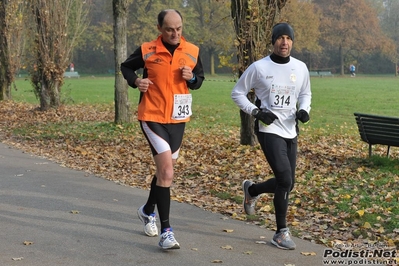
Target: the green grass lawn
(333, 104)
(336, 99)
(86, 90)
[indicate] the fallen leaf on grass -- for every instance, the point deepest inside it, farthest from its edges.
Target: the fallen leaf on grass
(360, 212)
(367, 225)
(380, 230)
(266, 208)
(308, 253)
(391, 243)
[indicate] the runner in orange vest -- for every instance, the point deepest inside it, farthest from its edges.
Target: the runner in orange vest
(171, 67)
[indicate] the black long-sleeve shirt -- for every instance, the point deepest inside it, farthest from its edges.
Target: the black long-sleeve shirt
(135, 61)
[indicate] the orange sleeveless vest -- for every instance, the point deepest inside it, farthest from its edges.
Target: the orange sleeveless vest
(163, 70)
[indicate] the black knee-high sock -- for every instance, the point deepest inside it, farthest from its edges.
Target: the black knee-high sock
(152, 198)
(163, 205)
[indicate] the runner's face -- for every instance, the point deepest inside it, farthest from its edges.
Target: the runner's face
(171, 29)
(283, 46)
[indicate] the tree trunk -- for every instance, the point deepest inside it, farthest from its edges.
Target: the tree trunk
(5, 92)
(253, 21)
(341, 60)
(58, 25)
(122, 105)
(212, 57)
(247, 133)
(3, 95)
(55, 97)
(44, 96)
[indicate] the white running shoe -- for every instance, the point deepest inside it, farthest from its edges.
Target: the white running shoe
(283, 239)
(249, 202)
(168, 240)
(150, 227)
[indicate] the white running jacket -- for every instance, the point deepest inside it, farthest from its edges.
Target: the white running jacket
(281, 88)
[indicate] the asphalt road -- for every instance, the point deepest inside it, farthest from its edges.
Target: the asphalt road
(51, 215)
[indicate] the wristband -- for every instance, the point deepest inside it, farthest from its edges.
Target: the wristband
(193, 79)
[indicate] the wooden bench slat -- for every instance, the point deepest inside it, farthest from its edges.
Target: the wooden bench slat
(389, 131)
(379, 131)
(325, 73)
(375, 129)
(376, 117)
(378, 139)
(71, 75)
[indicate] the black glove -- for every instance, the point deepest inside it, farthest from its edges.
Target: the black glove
(266, 117)
(302, 116)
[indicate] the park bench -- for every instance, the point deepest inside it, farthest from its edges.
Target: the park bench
(319, 73)
(71, 75)
(325, 74)
(375, 129)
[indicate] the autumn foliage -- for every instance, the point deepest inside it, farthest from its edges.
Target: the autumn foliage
(340, 195)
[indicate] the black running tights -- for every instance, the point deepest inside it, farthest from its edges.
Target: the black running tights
(281, 155)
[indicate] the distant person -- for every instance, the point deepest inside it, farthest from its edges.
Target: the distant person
(352, 70)
(171, 66)
(72, 67)
(282, 88)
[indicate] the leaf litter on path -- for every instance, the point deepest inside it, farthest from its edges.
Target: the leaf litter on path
(211, 168)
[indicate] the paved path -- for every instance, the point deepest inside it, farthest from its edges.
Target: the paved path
(68, 217)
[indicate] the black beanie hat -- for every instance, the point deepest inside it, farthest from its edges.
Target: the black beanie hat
(282, 29)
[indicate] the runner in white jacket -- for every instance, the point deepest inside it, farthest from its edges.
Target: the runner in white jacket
(282, 88)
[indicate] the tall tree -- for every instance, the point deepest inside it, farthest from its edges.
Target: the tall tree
(304, 17)
(122, 106)
(4, 54)
(12, 19)
(142, 19)
(390, 25)
(253, 21)
(351, 27)
(214, 28)
(57, 25)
